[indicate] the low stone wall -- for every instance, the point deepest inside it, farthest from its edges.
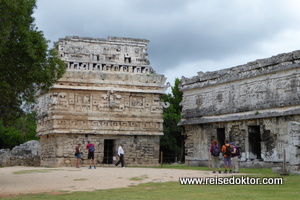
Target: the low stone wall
(27, 154)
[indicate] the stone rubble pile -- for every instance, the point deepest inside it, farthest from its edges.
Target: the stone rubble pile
(27, 154)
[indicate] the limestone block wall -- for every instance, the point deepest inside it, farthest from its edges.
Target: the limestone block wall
(293, 153)
(196, 145)
(58, 149)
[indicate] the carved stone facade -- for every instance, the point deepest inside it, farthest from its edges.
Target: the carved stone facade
(256, 105)
(109, 95)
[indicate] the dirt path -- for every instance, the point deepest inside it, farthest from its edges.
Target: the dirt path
(18, 180)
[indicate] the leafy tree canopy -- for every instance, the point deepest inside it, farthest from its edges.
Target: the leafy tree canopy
(23, 130)
(27, 65)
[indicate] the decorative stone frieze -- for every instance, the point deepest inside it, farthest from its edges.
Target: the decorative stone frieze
(260, 85)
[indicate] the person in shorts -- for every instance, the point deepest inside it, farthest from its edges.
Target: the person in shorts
(78, 155)
(91, 150)
(226, 150)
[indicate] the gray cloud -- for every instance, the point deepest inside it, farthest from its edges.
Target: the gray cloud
(181, 33)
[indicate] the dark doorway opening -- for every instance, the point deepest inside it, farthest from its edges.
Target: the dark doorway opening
(221, 136)
(108, 151)
(254, 142)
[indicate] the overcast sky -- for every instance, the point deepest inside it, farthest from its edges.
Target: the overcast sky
(186, 36)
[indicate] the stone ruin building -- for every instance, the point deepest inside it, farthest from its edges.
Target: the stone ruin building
(109, 95)
(256, 106)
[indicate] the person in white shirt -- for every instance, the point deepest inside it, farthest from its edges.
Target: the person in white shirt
(121, 156)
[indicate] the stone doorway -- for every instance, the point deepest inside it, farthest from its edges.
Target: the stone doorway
(254, 142)
(221, 136)
(108, 151)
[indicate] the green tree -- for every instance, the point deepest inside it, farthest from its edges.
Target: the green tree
(27, 65)
(23, 130)
(172, 142)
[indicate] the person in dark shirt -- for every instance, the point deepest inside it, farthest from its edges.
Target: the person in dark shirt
(91, 149)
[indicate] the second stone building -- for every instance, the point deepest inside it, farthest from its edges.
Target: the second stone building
(256, 106)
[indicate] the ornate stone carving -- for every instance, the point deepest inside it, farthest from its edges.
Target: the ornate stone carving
(112, 100)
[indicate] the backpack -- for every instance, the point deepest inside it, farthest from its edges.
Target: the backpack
(228, 151)
(91, 148)
(215, 151)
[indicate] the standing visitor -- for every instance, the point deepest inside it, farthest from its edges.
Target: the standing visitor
(91, 149)
(78, 155)
(227, 156)
(215, 153)
(121, 156)
(235, 158)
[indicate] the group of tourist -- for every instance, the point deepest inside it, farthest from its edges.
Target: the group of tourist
(230, 154)
(229, 150)
(91, 157)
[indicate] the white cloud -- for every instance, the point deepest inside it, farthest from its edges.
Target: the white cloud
(283, 42)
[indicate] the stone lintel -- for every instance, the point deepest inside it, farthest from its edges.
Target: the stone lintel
(256, 114)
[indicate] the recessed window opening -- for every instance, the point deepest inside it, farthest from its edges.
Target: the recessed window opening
(254, 142)
(108, 151)
(221, 136)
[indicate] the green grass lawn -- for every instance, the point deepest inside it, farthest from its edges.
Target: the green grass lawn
(290, 190)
